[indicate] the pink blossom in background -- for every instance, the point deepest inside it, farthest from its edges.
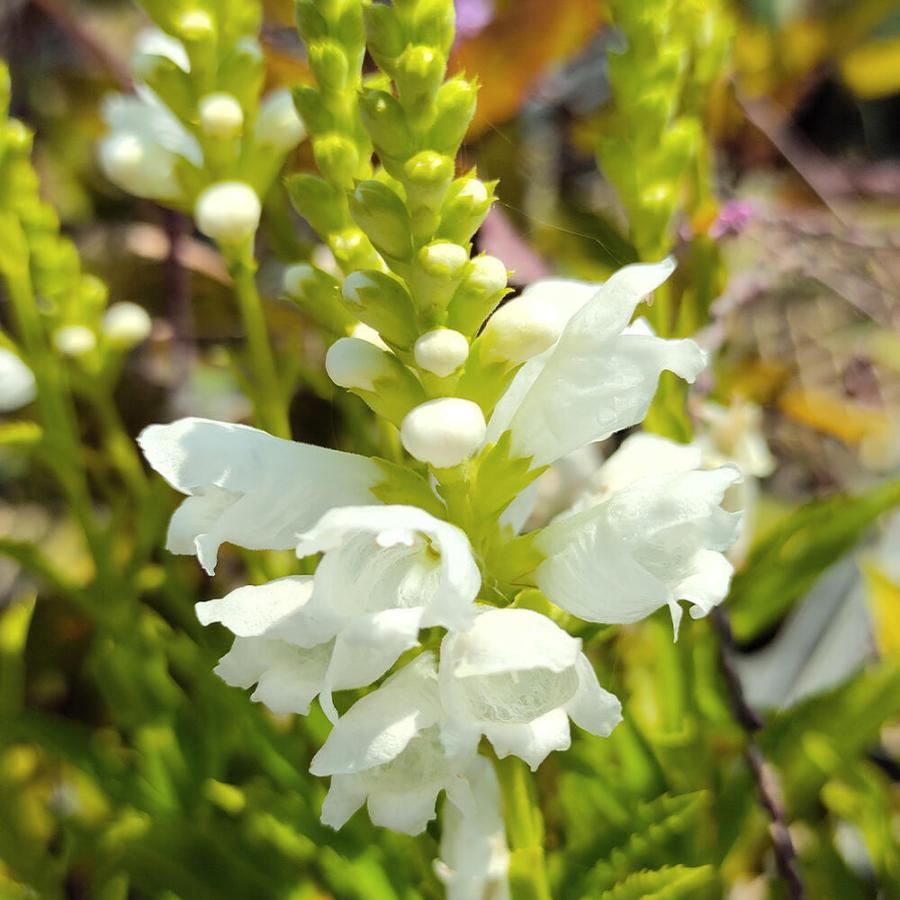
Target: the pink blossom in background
(472, 16)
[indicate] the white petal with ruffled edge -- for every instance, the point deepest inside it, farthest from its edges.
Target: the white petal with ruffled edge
(247, 487)
(656, 542)
(599, 377)
(514, 676)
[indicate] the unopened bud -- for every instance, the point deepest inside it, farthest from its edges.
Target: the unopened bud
(337, 158)
(464, 209)
(126, 324)
(139, 166)
(17, 384)
(278, 125)
(221, 116)
(443, 259)
(385, 121)
(522, 328)
(318, 294)
(419, 73)
(454, 107)
(383, 216)
(384, 35)
(441, 351)
(228, 212)
(195, 25)
(74, 340)
(354, 363)
(481, 290)
(329, 64)
(443, 432)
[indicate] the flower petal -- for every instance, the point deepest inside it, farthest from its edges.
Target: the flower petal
(247, 487)
(592, 708)
(377, 728)
(345, 796)
(534, 741)
(642, 548)
(407, 811)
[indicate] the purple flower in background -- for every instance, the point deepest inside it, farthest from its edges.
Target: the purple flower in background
(472, 16)
(732, 219)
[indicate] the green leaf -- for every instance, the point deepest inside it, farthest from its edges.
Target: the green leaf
(784, 563)
(20, 434)
(667, 883)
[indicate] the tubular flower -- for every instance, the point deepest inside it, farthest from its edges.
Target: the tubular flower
(386, 751)
(654, 534)
(517, 677)
(600, 375)
(249, 488)
(474, 852)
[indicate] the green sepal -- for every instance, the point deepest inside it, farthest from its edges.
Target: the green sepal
(317, 201)
(318, 294)
(383, 216)
(310, 22)
(382, 302)
(337, 158)
(394, 394)
(418, 74)
(470, 306)
(171, 84)
(385, 39)
(461, 216)
(312, 109)
(384, 119)
(242, 73)
(402, 485)
(454, 107)
(330, 65)
(433, 24)
(484, 381)
(497, 478)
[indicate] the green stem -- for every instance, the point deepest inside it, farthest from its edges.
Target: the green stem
(271, 411)
(524, 831)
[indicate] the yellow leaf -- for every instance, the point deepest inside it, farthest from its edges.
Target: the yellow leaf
(884, 603)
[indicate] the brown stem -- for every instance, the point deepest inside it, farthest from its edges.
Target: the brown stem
(766, 788)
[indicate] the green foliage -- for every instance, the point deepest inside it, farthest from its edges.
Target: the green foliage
(785, 562)
(667, 883)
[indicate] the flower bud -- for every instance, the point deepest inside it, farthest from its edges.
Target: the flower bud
(384, 36)
(441, 351)
(278, 125)
(228, 212)
(355, 363)
(522, 328)
(126, 324)
(385, 121)
(481, 290)
(312, 109)
(454, 109)
(418, 74)
(195, 25)
(465, 207)
(383, 303)
(74, 340)
(151, 47)
(433, 24)
(221, 116)
(317, 201)
(139, 166)
(443, 259)
(376, 375)
(443, 432)
(17, 384)
(329, 64)
(382, 215)
(337, 158)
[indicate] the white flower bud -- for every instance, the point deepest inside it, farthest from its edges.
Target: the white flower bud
(444, 259)
(195, 24)
(74, 340)
(523, 328)
(441, 351)
(221, 116)
(487, 273)
(151, 44)
(126, 324)
(17, 384)
(355, 363)
(443, 432)
(228, 212)
(367, 333)
(139, 166)
(278, 124)
(475, 191)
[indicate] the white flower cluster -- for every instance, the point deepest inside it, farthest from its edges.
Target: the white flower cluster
(653, 535)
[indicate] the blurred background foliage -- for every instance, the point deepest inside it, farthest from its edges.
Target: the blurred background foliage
(761, 140)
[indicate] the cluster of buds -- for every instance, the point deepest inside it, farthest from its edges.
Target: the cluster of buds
(424, 576)
(196, 134)
(73, 313)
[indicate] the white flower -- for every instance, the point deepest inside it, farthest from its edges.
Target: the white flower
(278, 125)
(387, 571)
(386, 751)
(517, 677)
(654, 535)
(270, 648)
(228, 212)
(441, 351)
(17, 385)
(126, 324)
(153, 42)
(353, 362)
(249, 488)
(145, 140)
(599, 377)
(474, 853)
(443, 432)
